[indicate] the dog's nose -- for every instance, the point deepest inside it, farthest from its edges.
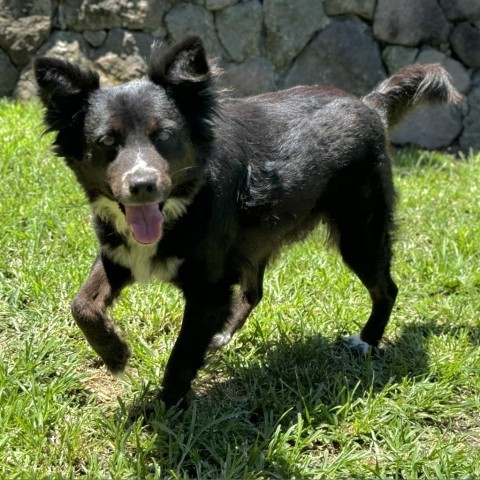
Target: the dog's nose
(143, 186)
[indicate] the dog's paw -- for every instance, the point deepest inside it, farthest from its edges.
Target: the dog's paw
(173, 399)
(157, 408)
(356, 344)
(219, 340)
(116, 360)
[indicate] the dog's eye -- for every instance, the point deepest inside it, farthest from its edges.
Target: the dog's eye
(165, 135)
(166, 142)
(108, 140)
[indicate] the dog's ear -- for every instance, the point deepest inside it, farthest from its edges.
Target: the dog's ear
(183, 71)
(183, 63)
(63, 89)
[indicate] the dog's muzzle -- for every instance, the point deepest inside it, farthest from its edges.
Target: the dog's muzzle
(143, 194)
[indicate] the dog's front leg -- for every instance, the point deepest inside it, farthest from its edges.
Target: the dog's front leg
(206, 311)
(104, 284)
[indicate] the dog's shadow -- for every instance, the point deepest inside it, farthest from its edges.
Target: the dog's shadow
(309, 376)
(314, 370)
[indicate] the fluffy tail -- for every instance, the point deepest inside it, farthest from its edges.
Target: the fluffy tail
(409, 87)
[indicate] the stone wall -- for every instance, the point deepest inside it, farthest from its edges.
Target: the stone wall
(264, 45)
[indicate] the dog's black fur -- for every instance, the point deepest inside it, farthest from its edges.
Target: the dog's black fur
(202, 190)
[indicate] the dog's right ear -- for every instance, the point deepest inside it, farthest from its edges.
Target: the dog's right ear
(63, 89)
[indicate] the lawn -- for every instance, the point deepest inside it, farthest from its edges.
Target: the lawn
(285, 399)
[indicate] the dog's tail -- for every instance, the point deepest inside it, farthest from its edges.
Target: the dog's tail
(409, 87)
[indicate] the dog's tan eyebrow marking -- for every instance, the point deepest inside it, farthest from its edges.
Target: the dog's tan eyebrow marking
(114, 124)
(153, 125)
(107, 131)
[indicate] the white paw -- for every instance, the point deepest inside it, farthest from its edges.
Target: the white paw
(219, 340)
(356, 343)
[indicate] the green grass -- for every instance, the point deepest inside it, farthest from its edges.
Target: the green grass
(284, 399)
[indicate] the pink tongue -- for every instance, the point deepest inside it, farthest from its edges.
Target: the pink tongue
(145, 222)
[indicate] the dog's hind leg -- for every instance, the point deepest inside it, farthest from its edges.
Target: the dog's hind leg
(364, 237)
(369, 258)
(248, 297)
(104, 284)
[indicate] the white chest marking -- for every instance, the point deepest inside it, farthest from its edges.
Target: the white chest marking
(138, 258)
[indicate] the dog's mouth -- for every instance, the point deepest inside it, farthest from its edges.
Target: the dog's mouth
(145, 221)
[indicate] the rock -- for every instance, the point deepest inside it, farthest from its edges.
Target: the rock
(289, 26)
(256, 75)
(80, 15)
(460, 10)
(431, 127)
(123, 56)
(214, 5)
(186, 18)
(465, 41)
(470, 137)
(410, 22)
(67, 46)
(26, 88)
(95, 38)
(396, 57)
(24, 26)
(362, 8)
(240, 28)
(8, 75)
(344, 55)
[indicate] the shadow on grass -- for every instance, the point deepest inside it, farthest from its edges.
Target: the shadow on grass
(308, 381)
(317, 369)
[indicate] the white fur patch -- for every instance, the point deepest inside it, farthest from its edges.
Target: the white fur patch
(219, 340)
(140, 166)
(175, 208)
(138, 258)
(110, 212)
(356, 343)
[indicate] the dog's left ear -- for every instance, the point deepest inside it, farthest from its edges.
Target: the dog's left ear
(183, 71)
(183, 63)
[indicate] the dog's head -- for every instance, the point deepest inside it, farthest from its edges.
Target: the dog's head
(140, 144)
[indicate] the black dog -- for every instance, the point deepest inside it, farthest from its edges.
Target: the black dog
(201, 190)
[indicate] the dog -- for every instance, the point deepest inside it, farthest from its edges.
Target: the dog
(195, 188)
